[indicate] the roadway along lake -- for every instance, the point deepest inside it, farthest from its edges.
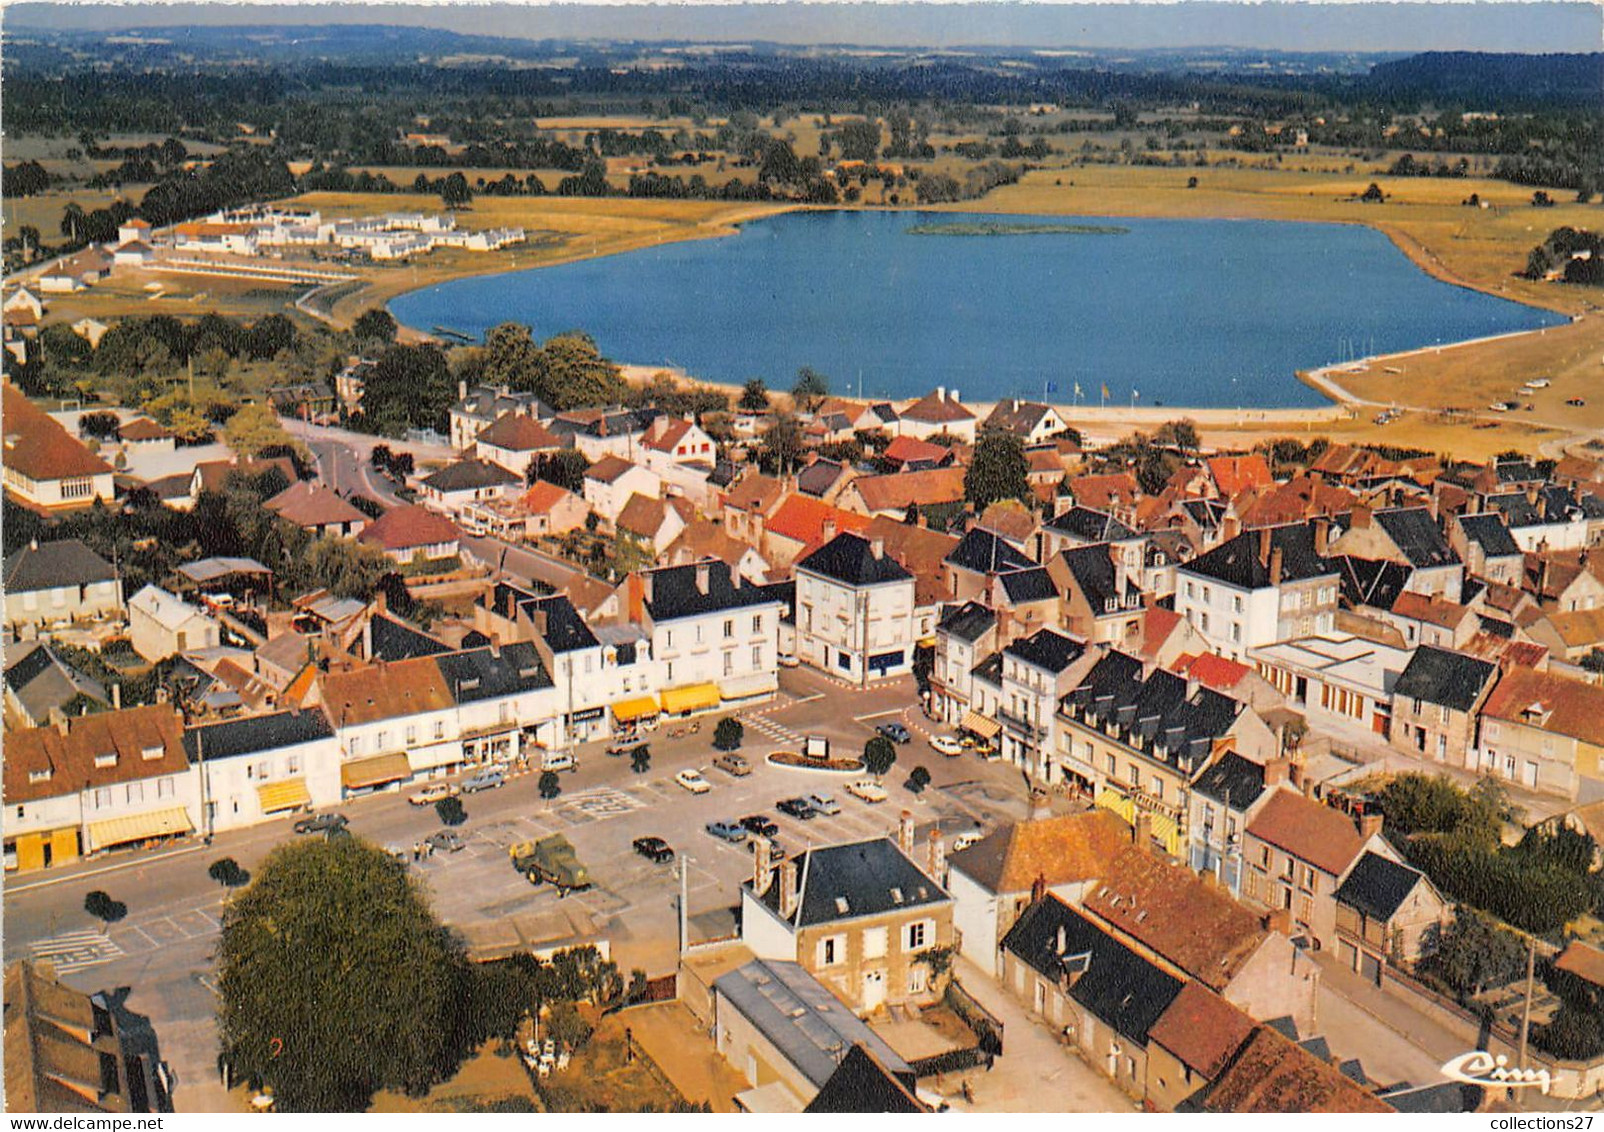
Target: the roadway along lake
(1186, 312)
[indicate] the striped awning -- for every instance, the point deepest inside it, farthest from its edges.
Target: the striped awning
(138, 827)
(287, 795)
(628, 711)
(692, 697)
(980, 725)
(360, 773)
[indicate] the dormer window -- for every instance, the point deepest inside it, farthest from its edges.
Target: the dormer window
(41, 775)
(151, 754)
(106, 760)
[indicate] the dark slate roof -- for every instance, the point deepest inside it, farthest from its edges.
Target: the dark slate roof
(886, 411)
(256, 733)
(1437, 676)
(481, 674)
(989, 670)
(1488, 532)
(1416, 534)
(1377, 886)
(969, 621)
(1092, 567)
(862, 1083)
(850, 560)
(724, 473)
(1047, 650)
(674, 593)
(1232, 777)
(784, 593)
(1110, 980)
(471, 475)
(396, 640)
(1029, 585)
(566, 630)
(1206, 513)
(52, 565)
(1554, 505)
(1444, 1097)
(43, 682)
(1496, 628)
(1090, 526)
(1375, 582)
(1517, 471)
(863, 878)
(1155, 715)
(983, 552)
(1237, 563)
(818, 477)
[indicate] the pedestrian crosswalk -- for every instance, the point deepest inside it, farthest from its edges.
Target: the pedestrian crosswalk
(768, 727)
(73, 951)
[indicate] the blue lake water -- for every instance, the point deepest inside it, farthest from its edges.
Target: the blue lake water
(1184, 312)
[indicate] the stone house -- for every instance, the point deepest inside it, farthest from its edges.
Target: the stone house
(1435, 702)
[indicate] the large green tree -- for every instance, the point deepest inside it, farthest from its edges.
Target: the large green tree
(510, 357)
(572, 373)
(410, 387)
(998, 471)
(336, 980)
(810, 389)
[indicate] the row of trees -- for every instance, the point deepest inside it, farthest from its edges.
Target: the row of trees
(1578, 253)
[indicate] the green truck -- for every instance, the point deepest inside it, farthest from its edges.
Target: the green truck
(552, 860)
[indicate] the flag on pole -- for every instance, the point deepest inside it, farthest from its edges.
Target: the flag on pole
(1052, 387)
(1077, 391)
(1135, 396)
(1105, 391)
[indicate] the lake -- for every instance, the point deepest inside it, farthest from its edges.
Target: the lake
(1200, 313)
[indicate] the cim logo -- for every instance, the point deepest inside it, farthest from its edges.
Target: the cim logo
(1482, 1068)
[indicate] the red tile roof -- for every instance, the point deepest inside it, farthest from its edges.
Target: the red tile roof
(1170, 909)
(143, 428)
(898, 492)
(403, 528)
(1550, 702)
(755, 492)
(1212, 670)
(906, 449)
(1105, 492)
(801, 519)
(385, 691)
(1429, 608)
(937, 408)
(642, 516)
(518, 432)
(1238, 473)
(307, 504)
(1309, 830)
(665, 433)
(1583, 961)
(38, 447)
(543, 496)
(608, 469)
(920, 551)
(1273, 1074)
(1058, 850)
(41, 762)
(1202, 1030)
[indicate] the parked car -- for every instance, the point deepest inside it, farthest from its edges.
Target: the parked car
(895, 732)
(965, 839)
(482, 780)
(823, 803)
(797, 808)
(759, 824)
(628, 749)
(321, 823)
(1575, 402)
(653, 849)
(399, 855)
(727, 831)
(947, 745)
(869, 790)
(732, 763)
(789, 660)
(693, 781)
(445, 841)
(558, 760)
(432, 793)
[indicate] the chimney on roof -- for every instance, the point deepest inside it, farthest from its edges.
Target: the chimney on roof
(1230, 527)
(1038, 888)
(62, 725)
(462, 390)
(703, 578)
(116, 696)
(877, 547)
(1369, 825)
(1279, 920)
(1016, 404)
(1264, 545)
(542, 623)
(1142, 831)
(495, 645)
(762, 866)
(938, 856)
(787, 889)
(1322, 536)
(954, 397)
(1359, 517)
(905, 833)
(827, 529)
(1294, 774)
(1531, 494)
(1277, 771)
(1277, 560)
(941, 393)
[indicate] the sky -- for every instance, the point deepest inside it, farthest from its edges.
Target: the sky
(1364, 25)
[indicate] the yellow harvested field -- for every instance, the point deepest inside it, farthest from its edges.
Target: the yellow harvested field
(43, 210)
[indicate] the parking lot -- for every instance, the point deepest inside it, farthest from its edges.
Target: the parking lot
(162, 951)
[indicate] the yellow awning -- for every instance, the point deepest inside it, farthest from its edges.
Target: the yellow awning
(692, 697)
(627, 711)
(376, 771)
(287, 795)
(138, 827)
(980, 725)
(927, 642)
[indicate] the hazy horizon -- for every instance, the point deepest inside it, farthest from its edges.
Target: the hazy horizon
(1537, 26)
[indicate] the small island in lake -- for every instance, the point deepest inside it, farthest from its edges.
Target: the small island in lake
(1004, 228)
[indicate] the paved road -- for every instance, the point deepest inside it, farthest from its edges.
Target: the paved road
(347, 471)
(162, 951)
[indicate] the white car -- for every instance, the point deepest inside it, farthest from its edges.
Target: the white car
(947, 745)
(432, 793)
(693, 781)
(867, 789)
(965, 840)
(789, 660)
